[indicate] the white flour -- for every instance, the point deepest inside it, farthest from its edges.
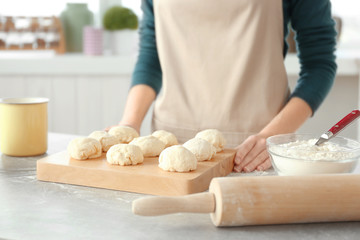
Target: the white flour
(327, 158)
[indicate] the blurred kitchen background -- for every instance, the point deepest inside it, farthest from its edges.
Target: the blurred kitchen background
(62, 50)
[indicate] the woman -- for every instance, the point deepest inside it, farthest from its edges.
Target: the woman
(220, 65)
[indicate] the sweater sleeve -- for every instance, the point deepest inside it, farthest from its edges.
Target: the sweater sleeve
(316, 41)
(147, 69)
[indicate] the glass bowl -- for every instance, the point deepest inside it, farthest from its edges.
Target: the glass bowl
(297, 154)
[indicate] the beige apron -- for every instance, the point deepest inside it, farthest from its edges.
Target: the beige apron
(222, 65)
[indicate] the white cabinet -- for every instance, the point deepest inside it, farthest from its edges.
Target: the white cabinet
(86, 93)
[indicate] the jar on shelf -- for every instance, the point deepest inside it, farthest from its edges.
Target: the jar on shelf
(74, 18)
(2, 32)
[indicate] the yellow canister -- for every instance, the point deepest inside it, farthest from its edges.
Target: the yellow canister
(23, 126)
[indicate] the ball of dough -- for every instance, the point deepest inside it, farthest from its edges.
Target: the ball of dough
(202, 149)
(166, 137)
(84, 148)
(107, 140)
(177, 159)
(213, 136)
(124, 134)
(124, 154)
(150, 145)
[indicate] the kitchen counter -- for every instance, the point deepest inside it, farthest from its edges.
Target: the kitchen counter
(31, 209)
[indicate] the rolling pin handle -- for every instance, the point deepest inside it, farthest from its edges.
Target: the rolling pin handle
(155, 206)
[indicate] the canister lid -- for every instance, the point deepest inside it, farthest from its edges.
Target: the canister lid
(27, 100)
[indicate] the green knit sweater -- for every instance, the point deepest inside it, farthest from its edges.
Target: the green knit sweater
(315, 41)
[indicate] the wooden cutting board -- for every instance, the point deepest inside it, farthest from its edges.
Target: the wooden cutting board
(143, 178)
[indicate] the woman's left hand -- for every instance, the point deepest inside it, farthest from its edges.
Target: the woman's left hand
(252, 155)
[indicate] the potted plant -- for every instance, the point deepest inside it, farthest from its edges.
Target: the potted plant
(121, 24)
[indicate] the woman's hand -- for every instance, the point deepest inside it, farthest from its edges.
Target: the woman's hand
(252, 155)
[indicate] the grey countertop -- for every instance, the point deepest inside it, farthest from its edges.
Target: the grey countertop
(31, 209)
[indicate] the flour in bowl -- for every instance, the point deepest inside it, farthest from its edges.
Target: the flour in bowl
(303, 157)
(307, 150)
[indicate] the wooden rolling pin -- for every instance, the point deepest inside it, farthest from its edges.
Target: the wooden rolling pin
(258, 200)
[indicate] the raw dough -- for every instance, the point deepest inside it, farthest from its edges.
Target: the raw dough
(124, 154)
(84, 148)
(177, 159)
(107, 140)
(166, 137)
(213, 136)
(150, 145)
(124, 134)
(202, 149)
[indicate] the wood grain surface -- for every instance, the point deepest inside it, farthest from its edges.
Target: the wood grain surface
(143, 178)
